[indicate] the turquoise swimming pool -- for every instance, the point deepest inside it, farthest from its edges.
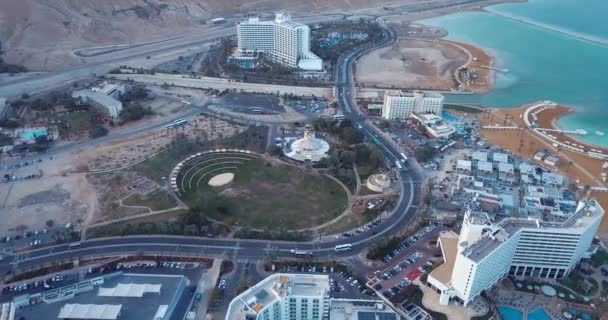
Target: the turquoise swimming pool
(509, 313)
(449, 118)
(31, 135)
(539, 314)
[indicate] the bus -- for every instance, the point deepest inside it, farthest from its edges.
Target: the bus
(404, 157)
(344, 247)
(302, 253)
(398, 164)
(180, 122)
(339, 117)
(74, 245)
(186, 102)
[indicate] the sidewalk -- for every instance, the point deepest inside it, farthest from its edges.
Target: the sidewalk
(205, 287)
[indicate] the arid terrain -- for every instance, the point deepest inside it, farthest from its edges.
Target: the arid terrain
(57, 28)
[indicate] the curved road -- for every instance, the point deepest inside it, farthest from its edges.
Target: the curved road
(254, 249)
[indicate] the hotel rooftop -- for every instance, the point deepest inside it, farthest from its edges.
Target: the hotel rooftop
(274, 288)
(586, 213)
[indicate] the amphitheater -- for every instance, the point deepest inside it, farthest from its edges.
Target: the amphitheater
(198, 169)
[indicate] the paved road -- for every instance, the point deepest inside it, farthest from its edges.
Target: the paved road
(251, 249)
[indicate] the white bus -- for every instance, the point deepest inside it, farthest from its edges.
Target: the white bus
(404, 158)
(180, 122)
(186, 102)
(398, 164)
(302, 253)
(344, 247)
(74, 245)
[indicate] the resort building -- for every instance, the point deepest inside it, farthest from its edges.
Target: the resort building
(302, 297)
(280, 40)
(102, 98)
(485, 251)
(283, 296)
(434, 125)
(400, 105)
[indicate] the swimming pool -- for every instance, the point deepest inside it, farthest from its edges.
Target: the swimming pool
(539, 314)
(31, 135)
(509, 313)
(450, 118)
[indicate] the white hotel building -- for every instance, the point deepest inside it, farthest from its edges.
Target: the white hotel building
(485, 252)
(400, 105)
(302, 297)
(280, 40)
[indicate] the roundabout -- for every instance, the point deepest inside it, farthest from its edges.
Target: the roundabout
(245, 189)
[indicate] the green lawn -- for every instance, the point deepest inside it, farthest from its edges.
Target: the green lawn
(265, 196)
(78, 121)
(157, 200)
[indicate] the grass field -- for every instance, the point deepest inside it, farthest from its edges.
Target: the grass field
(78, 121)
(266, 196)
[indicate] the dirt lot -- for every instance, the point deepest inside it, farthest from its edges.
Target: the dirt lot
(411, 64)
(32, 203)
(139, 148)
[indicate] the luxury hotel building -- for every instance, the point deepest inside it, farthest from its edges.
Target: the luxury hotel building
(401, 105)
(485, 252)
(280, 40)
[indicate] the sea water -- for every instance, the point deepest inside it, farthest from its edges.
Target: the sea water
(554, 50)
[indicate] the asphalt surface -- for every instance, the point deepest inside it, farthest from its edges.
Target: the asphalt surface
(249, 249)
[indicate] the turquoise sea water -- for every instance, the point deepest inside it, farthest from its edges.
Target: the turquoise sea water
(554, 49)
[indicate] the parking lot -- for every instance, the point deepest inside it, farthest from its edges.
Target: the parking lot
(408, 262)
(311, 108)
(343, 284)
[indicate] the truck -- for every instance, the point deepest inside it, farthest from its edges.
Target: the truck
(301, 253)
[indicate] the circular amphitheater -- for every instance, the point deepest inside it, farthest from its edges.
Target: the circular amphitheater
(214, 168)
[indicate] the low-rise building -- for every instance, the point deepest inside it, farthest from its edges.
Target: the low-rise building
(551, 160)
(103, 98)
(485, 169)
(100, 102)
(122, 296)
(434, 125)
(463, 165)
(479, 156)
(499, 157)
(552, 179)
(350, 309)
(506, 172)
(528, 173)
(540, 155)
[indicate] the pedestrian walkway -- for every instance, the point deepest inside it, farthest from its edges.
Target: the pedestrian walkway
(206, 285)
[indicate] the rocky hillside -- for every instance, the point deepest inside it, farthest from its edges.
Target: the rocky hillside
(41, 34)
